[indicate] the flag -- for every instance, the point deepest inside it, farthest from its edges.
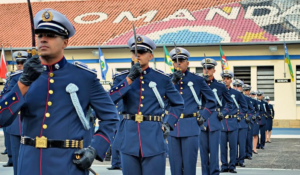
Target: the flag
(223, 60)
(3, 68)
(103, 64)
(288, 61)
(168, 60)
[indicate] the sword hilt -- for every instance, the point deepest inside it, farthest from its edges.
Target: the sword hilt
(78, 156)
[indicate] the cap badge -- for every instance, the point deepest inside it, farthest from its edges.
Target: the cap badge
(19, 54)
(139, 39)
(207, 60)
(47, 16)
(178, 51)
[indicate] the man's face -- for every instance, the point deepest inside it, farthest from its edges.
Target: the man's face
(183, 64)
(50, 45)
(268, 101)
(143, 58)
(253, 96)
(227, 81)
(259, 97)
(20, 64)
(247, 92)
(240, 88)
(210, 71)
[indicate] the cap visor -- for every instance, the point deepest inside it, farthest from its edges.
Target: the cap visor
(46, 29)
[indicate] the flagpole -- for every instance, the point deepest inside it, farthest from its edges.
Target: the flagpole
(284, 44)
(165, 58)
(220, 57)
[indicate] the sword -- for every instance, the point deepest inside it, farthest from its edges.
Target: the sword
(12, 59)
(176, 56)
(33, 50)
(73, 59)
(205, 64)
(135, 49)
(234, 100)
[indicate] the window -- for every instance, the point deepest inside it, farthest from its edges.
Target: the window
(199, 70)
(118, 70)
(243, 73)
(265, 80)
(298, 83)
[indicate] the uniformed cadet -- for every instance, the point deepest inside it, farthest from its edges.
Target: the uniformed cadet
(256, 122)
(211, 132)
(269, 120)
(53, 122)
(115, 153)
(251, 118)
(231, 125)
(15, 128)
(183, 140)
(142, 133)
(6, 134)
(243, 126)
(263, 121)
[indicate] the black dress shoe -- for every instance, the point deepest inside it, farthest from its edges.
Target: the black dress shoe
(242, 165)
(262, 148)
(257, 147)
(114, 168)
(232, 171)
(3, 153)
(107, 159)
(249, 158)
(224, 170)
(236, 164)
(8, 165)
(255, 152)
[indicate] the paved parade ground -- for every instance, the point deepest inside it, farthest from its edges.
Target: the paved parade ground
(280, 157)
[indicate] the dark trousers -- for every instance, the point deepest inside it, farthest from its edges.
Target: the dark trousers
(15, 146)
(183, 153)
(132, 165)
(231, 137)
(262, 141)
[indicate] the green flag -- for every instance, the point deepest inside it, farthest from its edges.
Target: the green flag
(288, 61)
(168, 60)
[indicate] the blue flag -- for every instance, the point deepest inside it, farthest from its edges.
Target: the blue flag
(103, 64)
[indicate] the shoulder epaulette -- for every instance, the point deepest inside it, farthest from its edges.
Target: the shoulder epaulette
(161, 72)
(85, 67)
(121, 73)
(200, 75)
(16, 73)
(220, 81)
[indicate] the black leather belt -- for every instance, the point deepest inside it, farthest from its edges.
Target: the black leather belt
(43, 142)
(230, 116)
(195, 114)
(141, 118)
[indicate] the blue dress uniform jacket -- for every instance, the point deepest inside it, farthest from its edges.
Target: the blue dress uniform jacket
(270, 118)
(213, 123)
(231, 124)
(146, 138)
(188, 126)
(256, 114)
(47, 110)
(15, 127)
(250, 108)
(242, 113)
(262, 112)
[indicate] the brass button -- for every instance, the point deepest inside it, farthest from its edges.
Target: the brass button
(181, 93)
(141, 77)
(140, 113)
(122, 85)
(47, 114)
(116, 106)
(14, 98)
(6, 103)
(111, 90)
(45, 126)
(19, 112)
(142, 89)
(181, 88)
(142, 97)
(142, 82)
(117, 88)
(0, 107)
(51, 81)
(142, 105)
(50, 92)
(49, 103)
(51, 74)
(181, 82)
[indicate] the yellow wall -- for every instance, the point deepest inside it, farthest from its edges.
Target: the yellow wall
(285, 100)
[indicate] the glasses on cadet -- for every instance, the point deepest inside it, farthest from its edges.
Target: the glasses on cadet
(48, 35)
